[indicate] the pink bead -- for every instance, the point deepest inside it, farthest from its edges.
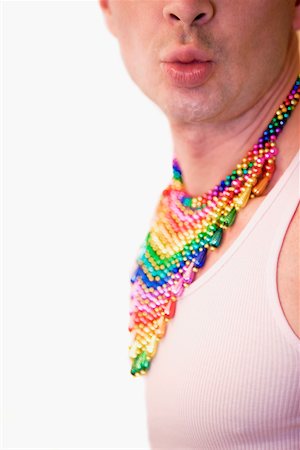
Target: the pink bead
(274, 151)
(188, 274)
(178, 288)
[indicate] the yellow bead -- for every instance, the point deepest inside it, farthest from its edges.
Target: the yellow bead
(152, 346)
(242, 200)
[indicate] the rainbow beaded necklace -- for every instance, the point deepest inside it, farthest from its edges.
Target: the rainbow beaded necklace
(184, 229)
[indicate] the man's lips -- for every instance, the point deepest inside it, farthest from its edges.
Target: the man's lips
(185, 54)
(188, 75)
(186, 66)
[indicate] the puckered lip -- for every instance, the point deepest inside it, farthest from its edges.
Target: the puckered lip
(185, 54)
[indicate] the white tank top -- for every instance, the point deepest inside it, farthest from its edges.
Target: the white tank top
(227, 373)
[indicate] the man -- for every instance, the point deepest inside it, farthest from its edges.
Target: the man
(219, 69)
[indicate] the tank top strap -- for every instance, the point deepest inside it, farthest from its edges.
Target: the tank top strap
(282, 200)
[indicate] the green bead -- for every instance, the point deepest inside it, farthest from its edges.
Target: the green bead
(140, 363)
(212, 227)
(146, 364)
(137, 366)
(216, 239)
(229, 219)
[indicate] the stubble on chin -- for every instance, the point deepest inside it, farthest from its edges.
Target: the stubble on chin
(192, 107)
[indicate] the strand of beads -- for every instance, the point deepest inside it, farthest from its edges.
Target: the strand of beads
(185, 228)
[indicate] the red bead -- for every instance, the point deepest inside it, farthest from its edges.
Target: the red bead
(228, 194)
(270, 168)
(170, 309)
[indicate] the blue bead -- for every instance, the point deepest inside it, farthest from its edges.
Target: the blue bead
(200, 259)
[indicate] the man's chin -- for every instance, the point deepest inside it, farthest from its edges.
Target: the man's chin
(183, 107)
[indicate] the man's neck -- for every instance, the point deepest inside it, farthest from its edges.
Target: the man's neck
(207, 152)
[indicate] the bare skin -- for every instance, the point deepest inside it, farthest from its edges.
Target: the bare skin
(255, 54)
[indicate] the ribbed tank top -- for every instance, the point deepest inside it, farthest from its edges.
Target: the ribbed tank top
(227, 373)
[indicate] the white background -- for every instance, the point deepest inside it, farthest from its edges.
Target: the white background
(84, 157)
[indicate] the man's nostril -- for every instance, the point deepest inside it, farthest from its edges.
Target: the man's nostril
(199, 16)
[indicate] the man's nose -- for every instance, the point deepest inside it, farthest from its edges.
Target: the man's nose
(189, 12)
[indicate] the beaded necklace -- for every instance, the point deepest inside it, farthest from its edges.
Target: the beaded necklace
(183, 231)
